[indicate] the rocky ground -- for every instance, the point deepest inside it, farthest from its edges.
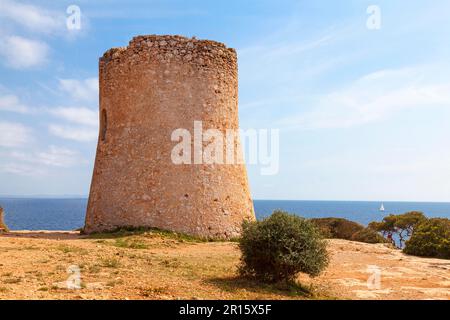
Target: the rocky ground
(155, 265)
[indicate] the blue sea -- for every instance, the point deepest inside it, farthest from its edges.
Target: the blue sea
(68, 214)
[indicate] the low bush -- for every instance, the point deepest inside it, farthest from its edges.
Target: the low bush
(280, 246)
(3, 226)
(431, 238)
(368, 236)
(337, 228)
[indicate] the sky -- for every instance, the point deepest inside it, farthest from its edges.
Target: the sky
(363, 113)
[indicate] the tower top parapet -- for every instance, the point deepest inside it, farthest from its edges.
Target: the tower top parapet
(167, 48)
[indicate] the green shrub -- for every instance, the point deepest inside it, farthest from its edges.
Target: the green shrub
(337, 228)
(280, 246)
(368, 236)
(3, 226)
(431, 238)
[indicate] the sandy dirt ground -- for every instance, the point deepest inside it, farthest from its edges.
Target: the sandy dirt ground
(48, 264)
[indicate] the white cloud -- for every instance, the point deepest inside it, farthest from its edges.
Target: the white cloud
(84, 90)
(11, 103)
(373, 97)
(273, 52)
(22, 53)
(78, 115)
(32, 18)
(59, 157)
(54, 156)
(86, 119)
(288, 56)
(13, 134)
(39, 162)
(22, 169)
(81, 134)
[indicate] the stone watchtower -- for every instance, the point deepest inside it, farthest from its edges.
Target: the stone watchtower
(147, 90)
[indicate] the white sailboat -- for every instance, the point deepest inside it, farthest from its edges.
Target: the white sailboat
(382, 207)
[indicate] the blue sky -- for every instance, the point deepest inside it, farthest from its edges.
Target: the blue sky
(363, 114)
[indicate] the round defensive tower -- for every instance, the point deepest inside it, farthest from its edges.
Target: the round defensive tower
(147, 90)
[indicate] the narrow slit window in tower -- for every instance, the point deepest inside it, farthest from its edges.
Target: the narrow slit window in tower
(103, 125)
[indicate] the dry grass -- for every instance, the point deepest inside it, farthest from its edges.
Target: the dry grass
(161, 265)
(143, 264)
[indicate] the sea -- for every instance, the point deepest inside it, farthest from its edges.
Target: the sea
(69, 214)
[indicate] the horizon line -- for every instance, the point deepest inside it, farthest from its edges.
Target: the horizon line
(70, 196)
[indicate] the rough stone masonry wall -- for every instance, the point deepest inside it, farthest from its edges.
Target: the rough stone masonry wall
(148, 89)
